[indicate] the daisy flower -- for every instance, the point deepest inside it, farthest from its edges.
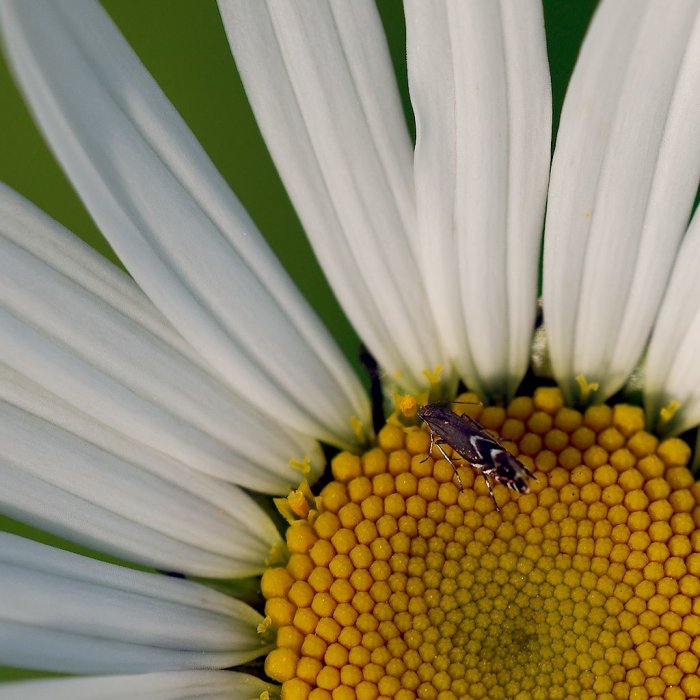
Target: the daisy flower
(153, 417)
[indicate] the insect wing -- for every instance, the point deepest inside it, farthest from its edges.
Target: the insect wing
(457, 432)
(471, 441)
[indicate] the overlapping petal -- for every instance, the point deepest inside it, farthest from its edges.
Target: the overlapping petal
(173, 221)
(481, 94)
(80, 480)
(64, 612)
(116, 431)
(173, 685)
(320, 82)
(82, 330)
(112, 428)
(672, 370)
(624, 176)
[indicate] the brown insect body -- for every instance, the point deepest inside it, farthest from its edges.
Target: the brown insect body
(468, 438)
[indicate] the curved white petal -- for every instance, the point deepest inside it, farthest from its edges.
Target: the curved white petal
(320, 82)
(63, 612)
(173, 221)
(79, 327)
(79, 479)
(624, 176)
(480, 89)
(672, 370)
(168, 685)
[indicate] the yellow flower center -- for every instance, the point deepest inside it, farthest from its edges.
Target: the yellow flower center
(399, 585)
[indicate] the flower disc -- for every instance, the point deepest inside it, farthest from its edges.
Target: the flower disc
(399, 585)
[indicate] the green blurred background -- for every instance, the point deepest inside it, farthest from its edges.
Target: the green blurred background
(182, 43)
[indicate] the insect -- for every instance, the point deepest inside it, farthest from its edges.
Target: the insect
(474, 444)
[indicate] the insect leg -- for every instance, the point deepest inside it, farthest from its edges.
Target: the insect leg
(528, 472)
(430, 449)
(490, 488)
(452, 464)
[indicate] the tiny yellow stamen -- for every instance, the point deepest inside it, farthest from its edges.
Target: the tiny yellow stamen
(299, 504)
(278, 555)
(405, 413)
(285, 509)
(358, 430)
(433, 375)
(407, 405)
(304, 466)
(307, 494)
(264, 626)
(667, 413)
(586, 389)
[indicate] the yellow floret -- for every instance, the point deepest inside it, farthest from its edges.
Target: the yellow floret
(628, 419)
(374, 462)
(492, 417)
(548, 399)
(295, 689)
(300, 537)
(598, 418)
(674, 453)
(301, 594)
(281, 664)
(345, 467)
(275, 583)
(334, 496)
(391, 438)
(280, 611)
(406, 587)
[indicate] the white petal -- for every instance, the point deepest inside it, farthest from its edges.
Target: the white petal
(624, 176)
(480, 89)
(80, 328)
(173, 221)
(672, 371)
(63, 612)
(320, 82)
(168, 685)
(93, 486)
